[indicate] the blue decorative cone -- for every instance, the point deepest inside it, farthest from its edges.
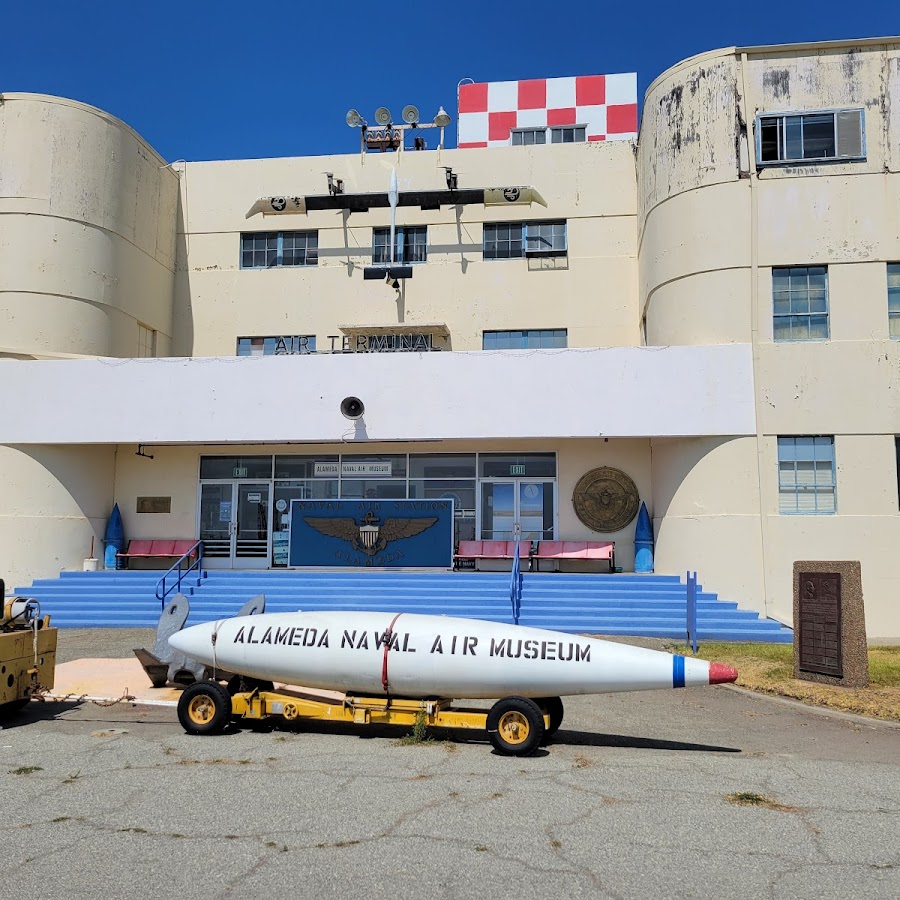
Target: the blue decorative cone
(114, 537)
(643, 542)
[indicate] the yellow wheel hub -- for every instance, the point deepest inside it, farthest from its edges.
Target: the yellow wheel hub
(514, 728)
(201, 709)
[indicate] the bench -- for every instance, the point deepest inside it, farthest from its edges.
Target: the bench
(476, 550)
(158, 549)
(575, 550)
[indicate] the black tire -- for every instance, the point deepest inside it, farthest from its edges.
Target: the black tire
(204, 708)
(515, 726)
(553, 706)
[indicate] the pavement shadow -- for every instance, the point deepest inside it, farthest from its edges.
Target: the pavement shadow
(591, 739)
(37, 712)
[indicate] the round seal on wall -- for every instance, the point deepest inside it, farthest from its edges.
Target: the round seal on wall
(605, 499)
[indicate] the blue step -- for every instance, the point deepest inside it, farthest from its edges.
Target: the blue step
(621, 604)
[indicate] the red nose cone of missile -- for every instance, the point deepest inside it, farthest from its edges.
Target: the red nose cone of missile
(719, 673)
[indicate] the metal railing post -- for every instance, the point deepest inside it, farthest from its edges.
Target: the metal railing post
(691, 612)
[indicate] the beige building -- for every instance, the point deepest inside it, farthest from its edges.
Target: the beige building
(712, 310)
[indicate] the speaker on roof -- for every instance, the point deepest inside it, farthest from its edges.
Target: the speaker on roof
(410, 115)
(383, 115)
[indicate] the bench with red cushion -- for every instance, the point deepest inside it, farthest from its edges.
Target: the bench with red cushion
(159, 549)
(492, 550)
(577, 550)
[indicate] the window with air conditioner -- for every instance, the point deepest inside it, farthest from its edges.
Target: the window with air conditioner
(810, 136)
(515, 240)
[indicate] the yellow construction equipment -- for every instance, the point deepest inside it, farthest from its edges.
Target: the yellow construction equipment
(27, 652)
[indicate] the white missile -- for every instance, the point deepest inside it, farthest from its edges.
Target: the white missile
(419, 656)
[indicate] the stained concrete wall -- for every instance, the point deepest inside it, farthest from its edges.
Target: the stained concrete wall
(87, 232)
(712, 226)
(590, 291)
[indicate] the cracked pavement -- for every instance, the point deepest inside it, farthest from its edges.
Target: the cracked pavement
(630, 799)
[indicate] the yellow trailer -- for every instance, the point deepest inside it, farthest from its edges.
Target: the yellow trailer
(27, 652)
(514, 725)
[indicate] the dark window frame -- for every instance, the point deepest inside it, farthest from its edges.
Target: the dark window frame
(411, 245)
(803, 138)
(518, 237)
(279, 249)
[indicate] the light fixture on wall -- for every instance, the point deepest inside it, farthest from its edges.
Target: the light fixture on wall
(141, 451)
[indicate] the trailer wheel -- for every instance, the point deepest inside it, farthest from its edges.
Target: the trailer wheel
(204, 708)
(515, 726)
(554, 708)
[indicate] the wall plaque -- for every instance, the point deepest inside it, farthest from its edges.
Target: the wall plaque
(154, 505)
(605, 499)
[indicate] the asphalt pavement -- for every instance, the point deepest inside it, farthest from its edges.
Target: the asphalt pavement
(633, 798)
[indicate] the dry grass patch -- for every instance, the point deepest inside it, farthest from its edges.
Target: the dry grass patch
(749, 798)
(769, 668)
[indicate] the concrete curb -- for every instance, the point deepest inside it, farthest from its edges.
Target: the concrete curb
(815, 710)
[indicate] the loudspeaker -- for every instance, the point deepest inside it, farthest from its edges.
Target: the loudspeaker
(352, 408)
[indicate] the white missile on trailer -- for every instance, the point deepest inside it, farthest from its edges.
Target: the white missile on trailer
(418, 656)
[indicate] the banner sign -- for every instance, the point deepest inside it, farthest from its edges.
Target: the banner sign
(371, 533)
(353, 470)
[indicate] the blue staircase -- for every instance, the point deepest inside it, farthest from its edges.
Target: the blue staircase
(623, 604)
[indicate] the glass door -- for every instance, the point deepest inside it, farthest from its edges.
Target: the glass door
(235, 524)
(519, 501)
(251, 526)
(216, 514)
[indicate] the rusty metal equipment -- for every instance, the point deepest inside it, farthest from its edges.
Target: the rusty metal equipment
(27, 652)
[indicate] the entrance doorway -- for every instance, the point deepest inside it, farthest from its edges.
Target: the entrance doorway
(525, 502)
(235, 524)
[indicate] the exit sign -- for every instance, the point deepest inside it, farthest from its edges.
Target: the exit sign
(517, 470)
(240, 472)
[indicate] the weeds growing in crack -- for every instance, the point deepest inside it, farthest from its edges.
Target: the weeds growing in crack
(749, 798)
(25, 770)
(419, 734)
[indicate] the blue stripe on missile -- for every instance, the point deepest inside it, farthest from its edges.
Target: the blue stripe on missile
(677, 671)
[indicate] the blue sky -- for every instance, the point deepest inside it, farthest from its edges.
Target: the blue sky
(233, 80)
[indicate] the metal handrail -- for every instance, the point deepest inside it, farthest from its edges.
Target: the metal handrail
(162, 591)
(515, 583)
(691, 612)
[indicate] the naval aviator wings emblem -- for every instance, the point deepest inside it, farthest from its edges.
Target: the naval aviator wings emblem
(368, 536)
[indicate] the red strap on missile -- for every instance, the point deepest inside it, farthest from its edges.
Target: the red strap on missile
(387, 646)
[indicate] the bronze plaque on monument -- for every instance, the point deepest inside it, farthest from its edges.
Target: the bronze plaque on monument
(820, 623)
(830, 623)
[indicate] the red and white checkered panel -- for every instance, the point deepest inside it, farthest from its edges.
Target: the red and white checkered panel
(605, 104)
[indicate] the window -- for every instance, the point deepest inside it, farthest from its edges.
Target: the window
(806, 480)
(273, 249)
(290, 345)
(515, 240)
(893, 286)
(545, 238)
(897, 452)
(525, 137)
(800, 303)
(570, 134)
(566, 134)
(146, 342)
(796, 137)
(535, 339)
(411, 245)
